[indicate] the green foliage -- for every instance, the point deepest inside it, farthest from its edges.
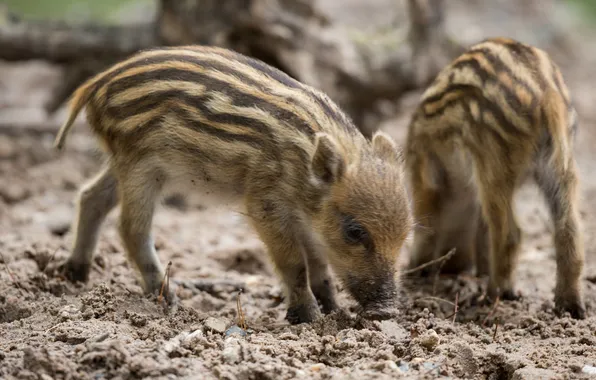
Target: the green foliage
(103, 11)
(587, 7)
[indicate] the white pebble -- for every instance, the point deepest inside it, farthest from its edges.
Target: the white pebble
(232, 350)
(590, 370)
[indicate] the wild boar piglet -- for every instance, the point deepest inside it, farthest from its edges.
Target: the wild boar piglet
(497, 115)
(207, 119)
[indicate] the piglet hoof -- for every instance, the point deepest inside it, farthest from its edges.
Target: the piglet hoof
(510, 295)
(166, 297)
(504, 295)
(379, 314)
(75, 271)
(327, 302)
(575, 308)
(304, 313)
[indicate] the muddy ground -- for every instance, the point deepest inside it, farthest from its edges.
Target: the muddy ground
(51, 329)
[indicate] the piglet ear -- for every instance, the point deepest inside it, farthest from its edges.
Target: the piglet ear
(386, 148)
(328, 165)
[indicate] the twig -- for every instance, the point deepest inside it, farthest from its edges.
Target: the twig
(165, 283)
(496, 327)
(491, 312)
(50, 260)
(445, 257)
(436, 279)
(456, 307)
(241, 318)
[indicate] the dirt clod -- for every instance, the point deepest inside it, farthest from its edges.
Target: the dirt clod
(215, 324)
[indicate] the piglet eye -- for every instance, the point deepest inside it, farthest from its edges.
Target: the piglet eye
(353, 232)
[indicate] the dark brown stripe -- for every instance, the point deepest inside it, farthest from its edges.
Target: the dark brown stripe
(529, 59)
(484, 105)
(286, 80)
(192, 123)
(238, 98)
(509, 93)
(479, 128)
(501, 66)
(176, 97)
(465, 88)
(227, 69)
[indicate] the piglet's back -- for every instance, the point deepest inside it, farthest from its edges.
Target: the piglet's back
(207, 102)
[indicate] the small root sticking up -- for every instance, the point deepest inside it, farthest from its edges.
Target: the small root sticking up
(241, 318)
(441, 259)
(456, 307)
(491, 312)
(496, 328)
(436, 279)
(165, 284)
(50, 259)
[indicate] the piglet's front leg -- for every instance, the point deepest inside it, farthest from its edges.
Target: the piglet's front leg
(282, 233)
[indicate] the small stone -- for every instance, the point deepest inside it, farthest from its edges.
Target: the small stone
(232, 351)
(429, 340)
(393, 329)
(404, 367)
(253, 281)
(235, 330)
(215, 324)
(13, 193)
(317, 367)
(391, 365)
(192, 339)
(429, 366)
(590, 370)
(530, 373)
(70, 312)
(172, 346)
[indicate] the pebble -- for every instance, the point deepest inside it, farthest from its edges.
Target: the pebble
(192, 339)
(253, 281)
(393, 329)
(13, 193)
(215, 324)
(173, 344)
(590, 370)
(530, 373)
(317, 367)
(70, 312)
(232, 351)
(429, 340)
(235, 330)
(391, 365)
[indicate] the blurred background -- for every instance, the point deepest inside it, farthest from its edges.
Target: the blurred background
(365, 54)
